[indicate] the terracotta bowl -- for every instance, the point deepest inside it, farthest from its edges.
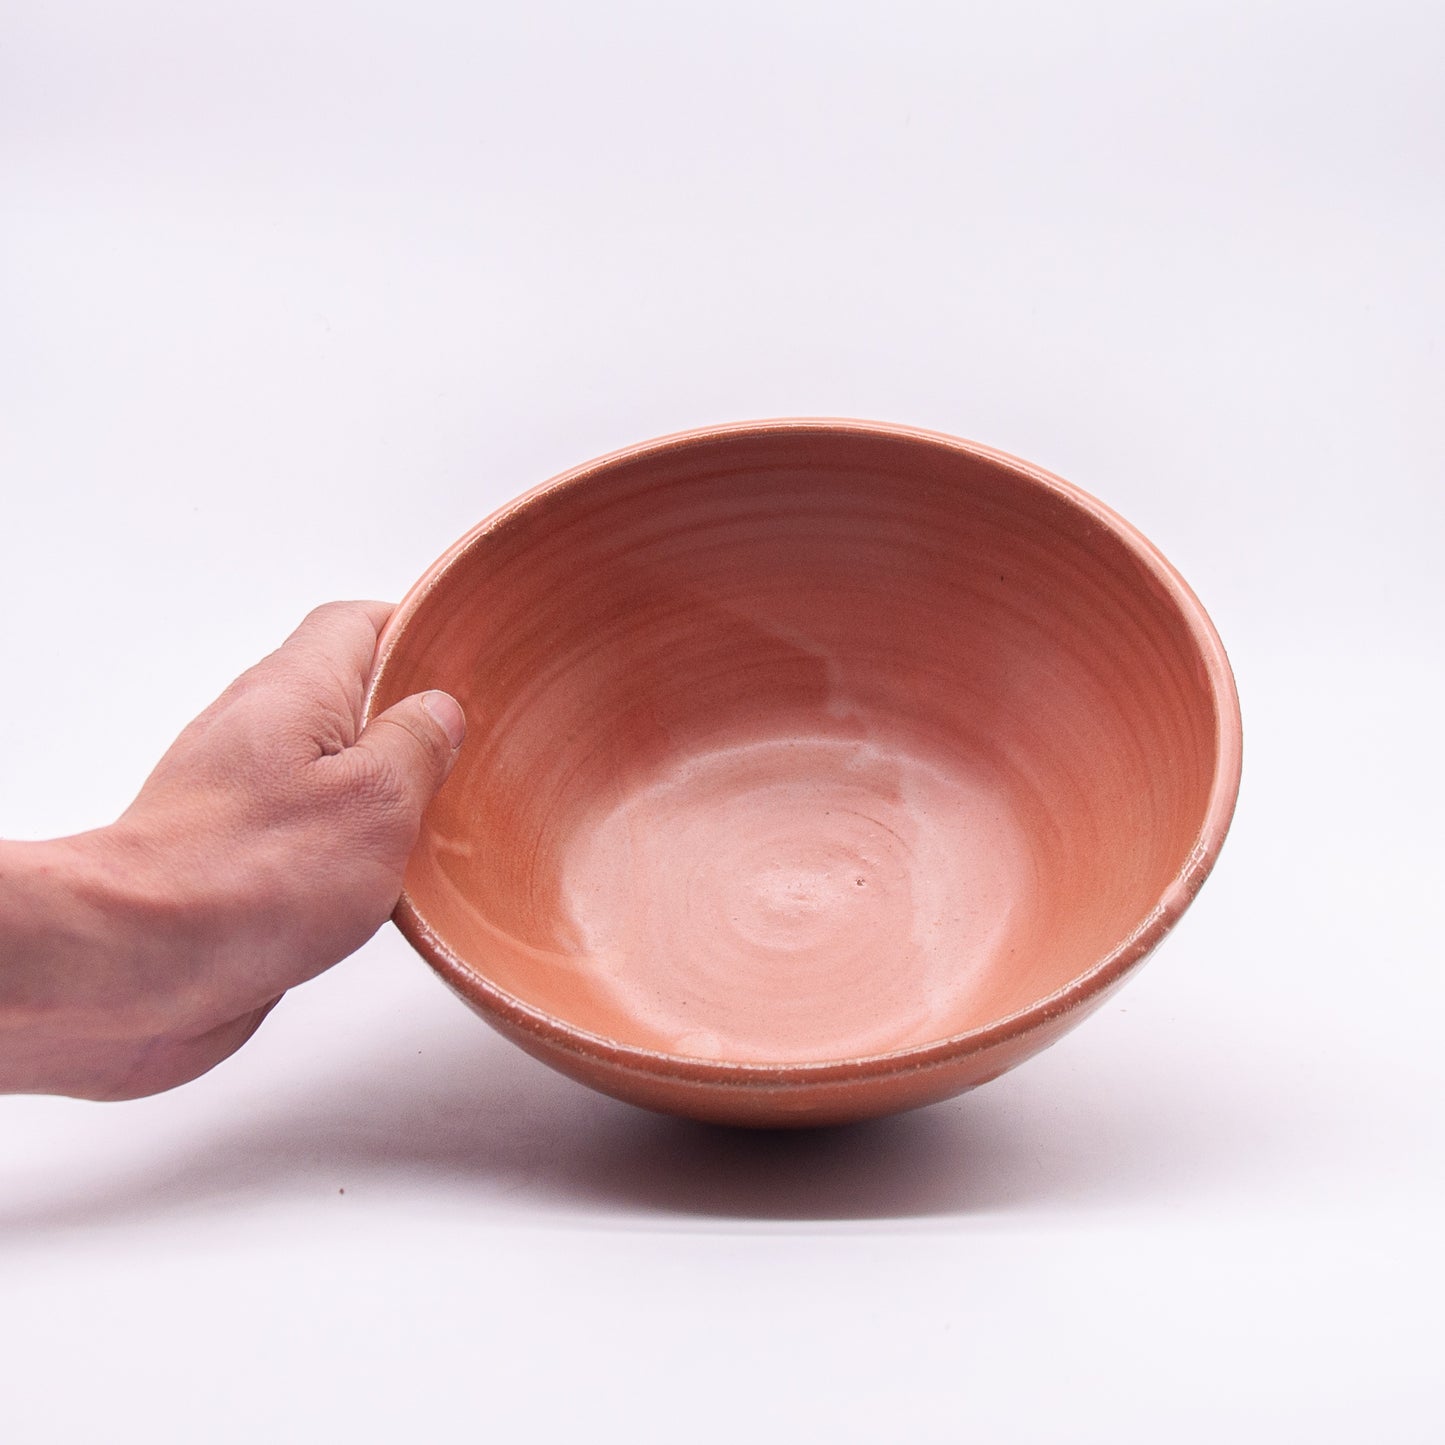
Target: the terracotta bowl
(815, 769)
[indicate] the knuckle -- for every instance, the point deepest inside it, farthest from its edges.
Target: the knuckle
(379, 784)
(325, 611)
(424, 742)
(382, 811)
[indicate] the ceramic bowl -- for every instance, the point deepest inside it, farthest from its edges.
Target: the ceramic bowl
(815, 769)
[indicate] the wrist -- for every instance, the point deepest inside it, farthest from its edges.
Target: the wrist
(80, 925)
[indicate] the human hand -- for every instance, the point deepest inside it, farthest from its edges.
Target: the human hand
(268, 844)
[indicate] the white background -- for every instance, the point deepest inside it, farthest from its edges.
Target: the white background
(296, 292)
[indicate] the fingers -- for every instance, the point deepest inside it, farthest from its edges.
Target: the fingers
(340, 635)
(317, 679)
(415, 743)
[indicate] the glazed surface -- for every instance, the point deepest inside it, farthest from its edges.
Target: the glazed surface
(803, 745)
(827, 895)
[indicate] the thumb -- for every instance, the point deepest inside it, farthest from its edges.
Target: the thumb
(415, 741)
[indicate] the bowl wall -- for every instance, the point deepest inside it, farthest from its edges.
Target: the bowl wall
(807, 760)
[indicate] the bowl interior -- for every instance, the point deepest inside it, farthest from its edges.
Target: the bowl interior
(803, 744)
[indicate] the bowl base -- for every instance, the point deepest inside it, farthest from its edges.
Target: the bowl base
(801, 898)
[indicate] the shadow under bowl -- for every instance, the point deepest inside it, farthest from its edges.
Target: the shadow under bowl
(815, 769)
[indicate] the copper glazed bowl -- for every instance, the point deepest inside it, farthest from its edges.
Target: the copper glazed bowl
(815, 769)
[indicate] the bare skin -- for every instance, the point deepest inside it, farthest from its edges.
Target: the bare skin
(268, 844)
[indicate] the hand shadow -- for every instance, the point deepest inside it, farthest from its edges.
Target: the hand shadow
(469, 1118)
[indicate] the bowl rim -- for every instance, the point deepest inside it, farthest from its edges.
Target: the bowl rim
(1085, 989)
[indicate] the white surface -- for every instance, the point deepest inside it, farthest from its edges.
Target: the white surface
(294, 294)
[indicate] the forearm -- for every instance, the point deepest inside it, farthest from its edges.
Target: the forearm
(72, 934)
